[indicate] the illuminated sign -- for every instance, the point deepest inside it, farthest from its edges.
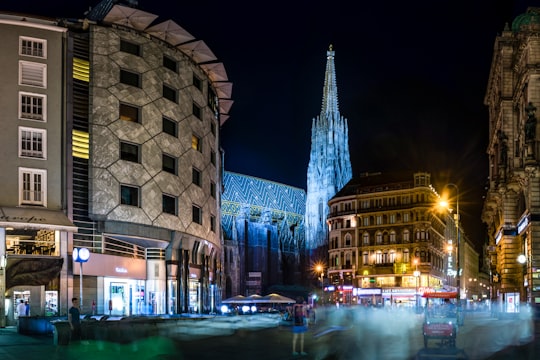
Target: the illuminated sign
(522, 224)
(120, 270)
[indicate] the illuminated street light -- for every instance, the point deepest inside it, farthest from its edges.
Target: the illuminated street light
(81, 255)
(320, 270)
(458, 248)
(416, 274)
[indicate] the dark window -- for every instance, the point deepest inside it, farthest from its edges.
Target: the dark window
(212, 101)
(130, 78)
(170, 63)
(213, 189)
(129, 152)
(169, 164)
(129, 113)
(129, 195)
(130, 48)
(213, 127)
(213, 157)
(197, 82)
(212, 223)
(170, 127)
(169, 93)
(197, 214)
(169, 204)
(196, 176)
(197, 111)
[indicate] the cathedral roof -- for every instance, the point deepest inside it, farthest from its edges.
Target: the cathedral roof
(530, 20)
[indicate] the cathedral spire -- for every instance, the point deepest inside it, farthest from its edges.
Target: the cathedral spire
(329, 167)
(330, 96)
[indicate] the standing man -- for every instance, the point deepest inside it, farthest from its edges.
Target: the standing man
(300, 325)
(74, 319)
(21, 308)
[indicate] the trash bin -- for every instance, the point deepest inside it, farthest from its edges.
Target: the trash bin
(61, 332)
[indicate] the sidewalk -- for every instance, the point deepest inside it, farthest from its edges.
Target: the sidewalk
(16, 346)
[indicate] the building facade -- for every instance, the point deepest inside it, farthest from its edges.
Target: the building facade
(389, 242)
(263, 230)
(117, 124)
(329, 167)
(513, 197)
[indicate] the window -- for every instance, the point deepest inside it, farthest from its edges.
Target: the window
(348, 240)
(392, 237)
(196, 177)
(130, 48)
(366, 221)
(170, 127)
(392, 219)
(213, 127)
(33, 47)
(213, 157)
(130, 78)
(32, 74)
(197, 82)
(365, 257)
(170, 63)
(212, 223)
(406, 256)
(169, 164)
(129, 152)
(169, 93)
(129, 195)
(32, 106)
(196, 143)
(170, 204)
(378, 238)
(406, 236)
(129, 113)
(32, 186)
(197, 214)
(378, 219)
(213, 189)
(365, 239)
(32, 142)
(197, 111)
(406, 217)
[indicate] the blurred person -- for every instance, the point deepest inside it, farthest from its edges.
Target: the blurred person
(300, 325)
(74, 319)
(21, 308)
(26, 308)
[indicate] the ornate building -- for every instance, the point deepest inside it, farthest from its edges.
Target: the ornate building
(329, 167)
(263, 230)
(512, 205)
(111, 129)
(384, 228)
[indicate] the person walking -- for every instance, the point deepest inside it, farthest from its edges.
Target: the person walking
(300, 325)
(26, 308)
(74, 319)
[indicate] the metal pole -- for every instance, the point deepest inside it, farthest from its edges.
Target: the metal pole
(458, 262)
(80, 287)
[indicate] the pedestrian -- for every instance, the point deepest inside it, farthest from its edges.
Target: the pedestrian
(21, 308)
(26, 308)
(299, 325)
(74, 319)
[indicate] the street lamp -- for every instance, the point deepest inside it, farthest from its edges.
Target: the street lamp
(81, 255)
(458, 248)
(416, 274)
(320, 270)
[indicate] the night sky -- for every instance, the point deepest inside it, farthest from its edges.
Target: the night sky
(411, 79)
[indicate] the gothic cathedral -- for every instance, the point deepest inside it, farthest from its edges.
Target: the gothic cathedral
(329, 167)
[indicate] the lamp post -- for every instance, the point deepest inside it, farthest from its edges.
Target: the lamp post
(3, 264)
(320, 269)
(81, 255)
(458, 248)
(416, 274)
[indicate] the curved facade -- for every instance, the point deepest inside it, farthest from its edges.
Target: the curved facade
(137, 162)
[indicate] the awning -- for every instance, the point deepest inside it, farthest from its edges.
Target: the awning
(35, 218)
(32, 271)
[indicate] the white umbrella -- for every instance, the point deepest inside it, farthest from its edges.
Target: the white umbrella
(238, 299)
(277, 299)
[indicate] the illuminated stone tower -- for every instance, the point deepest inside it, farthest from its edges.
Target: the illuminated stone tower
(329, 167)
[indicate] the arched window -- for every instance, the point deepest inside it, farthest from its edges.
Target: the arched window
(378, 238)
(392, 237)
(365, 238)
(406, 236)
(348, 238)
(378, 257)
(406, 257)
(365, 258)
(392, 256)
